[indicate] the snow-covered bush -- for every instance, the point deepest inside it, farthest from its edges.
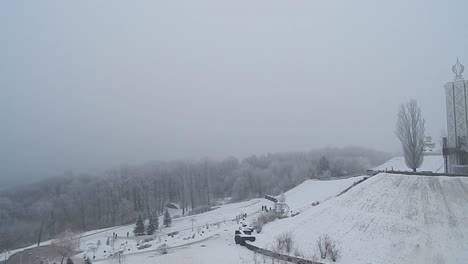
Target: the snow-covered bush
(327, 246)
(333, 251)
(322, 243)
(298, 253)
(258, 227)
(264, 218)
(285, 243)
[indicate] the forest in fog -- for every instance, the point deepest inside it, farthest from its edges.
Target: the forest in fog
(40, 211)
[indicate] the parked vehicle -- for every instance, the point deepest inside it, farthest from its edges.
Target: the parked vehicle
(247, 229)
(143, 246)
(240, 237)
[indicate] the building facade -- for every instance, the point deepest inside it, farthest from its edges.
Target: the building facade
(455, 147)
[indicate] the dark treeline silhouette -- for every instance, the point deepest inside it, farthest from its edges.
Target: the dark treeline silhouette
(37, 212)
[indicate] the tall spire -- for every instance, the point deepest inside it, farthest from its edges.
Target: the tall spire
(458, 69)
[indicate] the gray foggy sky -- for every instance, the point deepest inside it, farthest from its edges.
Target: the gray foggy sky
(86, 85)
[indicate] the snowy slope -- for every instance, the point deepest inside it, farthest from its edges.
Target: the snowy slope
(303, 195)
(430, 163)
(388, 219)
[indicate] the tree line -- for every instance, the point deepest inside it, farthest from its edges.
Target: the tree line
(40, 211)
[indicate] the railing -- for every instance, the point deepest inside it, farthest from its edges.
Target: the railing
(421, 173)
(279, 256)
(354, 184)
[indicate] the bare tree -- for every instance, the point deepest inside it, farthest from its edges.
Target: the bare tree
(118, 257)
(43, 207)
(410, 131)
(66, 245)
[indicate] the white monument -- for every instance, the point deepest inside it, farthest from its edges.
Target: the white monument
(455, 146)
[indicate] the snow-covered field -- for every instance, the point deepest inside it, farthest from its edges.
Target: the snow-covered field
(386, 219)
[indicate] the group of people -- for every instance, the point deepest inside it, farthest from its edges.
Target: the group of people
(114, 234)
(241, 216)
(264, 208)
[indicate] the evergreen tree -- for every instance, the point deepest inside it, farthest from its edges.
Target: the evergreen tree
(69, 261)
(153, 224)
(139, 229)
(167, 219)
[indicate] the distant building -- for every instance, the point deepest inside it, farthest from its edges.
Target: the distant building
(455, 146)
(428, 144)
(174, 209)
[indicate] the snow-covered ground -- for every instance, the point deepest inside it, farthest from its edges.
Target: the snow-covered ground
(430, 163)
(202, 244)
(218, 248)
(302, 196)
(221, 228)
(387, 219)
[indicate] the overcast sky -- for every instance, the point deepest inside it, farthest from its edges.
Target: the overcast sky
(87, 85)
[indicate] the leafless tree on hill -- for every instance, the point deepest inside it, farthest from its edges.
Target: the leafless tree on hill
(410, 130)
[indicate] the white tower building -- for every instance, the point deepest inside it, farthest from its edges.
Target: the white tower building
(456, 147)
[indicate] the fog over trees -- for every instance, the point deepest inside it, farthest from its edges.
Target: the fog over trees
(37, 212)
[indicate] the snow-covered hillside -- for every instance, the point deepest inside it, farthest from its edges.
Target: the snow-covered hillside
(302, 196)
(387, 219)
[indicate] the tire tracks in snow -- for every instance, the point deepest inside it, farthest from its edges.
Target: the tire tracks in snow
(452, 221)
